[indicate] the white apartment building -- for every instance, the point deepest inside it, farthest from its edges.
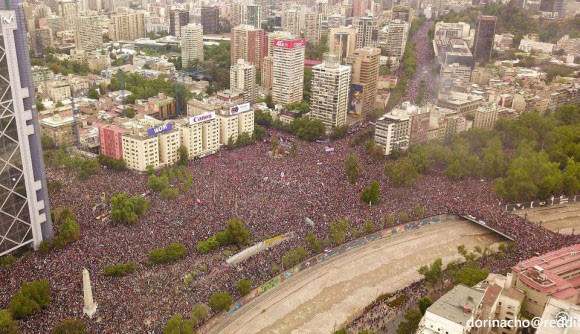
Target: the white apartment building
(200, 134)
(140, 151)
(367, 31)
(392, 133)
(393, 38)
(243, 79)
(288, 70)
(127, 27)
(191, 43)
(88, 35)
(239, 119)
(330, 89)
(444, 30)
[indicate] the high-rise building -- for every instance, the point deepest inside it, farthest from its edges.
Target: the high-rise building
(24, 209)
(291, 21)
(485, 116)
(40, 39)
(484, 35)
(177, 19)
(247, 43)
(360, 7)
(191, 43)
(288, 70)
(88, 36)
(367, 31)
(342, 42)
(365, 72)
(254, 16)
(210, 20)
(393, 38)
(127, 27)
(336, 21)
(68, 11)
(312, 25)
(330, 89)
(243, 79)
(268, 62)
(392, 133)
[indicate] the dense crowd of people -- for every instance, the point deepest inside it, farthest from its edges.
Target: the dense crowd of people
(271, 195)
(423, 81)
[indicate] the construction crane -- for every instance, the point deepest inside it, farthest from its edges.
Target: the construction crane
(122, 79)
(195, 75)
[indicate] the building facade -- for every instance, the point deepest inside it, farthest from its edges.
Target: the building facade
(247, 43)
(288, 70)
(365, 71)
(484, 36)
(210, 20)
(127, 27)
(330, 89)
(392, 133)
(25, 212)
(191, 44)
(88, 36)
(243, 78)
(177, 19)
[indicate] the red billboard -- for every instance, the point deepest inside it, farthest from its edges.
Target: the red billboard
(289, 43)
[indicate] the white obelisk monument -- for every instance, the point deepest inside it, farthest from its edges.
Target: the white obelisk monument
(90, 306)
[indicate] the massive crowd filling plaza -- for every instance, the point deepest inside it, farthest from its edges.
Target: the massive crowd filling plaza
(271, 195)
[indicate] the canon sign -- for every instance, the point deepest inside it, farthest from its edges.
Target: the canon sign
(290, 43)
(202, 118)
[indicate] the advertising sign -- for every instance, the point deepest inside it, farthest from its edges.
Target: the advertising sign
(355, 103)
(159, 129)
(239, 108)
(289, 43)
(202, 118)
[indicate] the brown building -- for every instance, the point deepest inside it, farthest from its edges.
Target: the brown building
(59, 129)
(177, 19)
(210, 18)
(365, 71)
(247, 43)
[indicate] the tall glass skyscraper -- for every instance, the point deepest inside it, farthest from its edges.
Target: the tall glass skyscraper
(24, 208)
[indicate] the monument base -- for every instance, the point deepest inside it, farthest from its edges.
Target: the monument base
(91, 310)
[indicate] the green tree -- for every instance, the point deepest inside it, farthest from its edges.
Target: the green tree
(432, 273)
(371, 194)
(244, 286)
(120, 269)
(495, 161)
(220, 301)
(411, 322)
(126, 210)
(338, 231)
(183, 155)
(237, 233)
(402, 173)
(313, 242)
(470, 276)
(200, 311)
(157, 183)
(178, 325)
(31, 298)
(424, 303)
(47, 142)
(70, 326)
(294, 257)
(352, 167)
(7, 324)
(93, 94)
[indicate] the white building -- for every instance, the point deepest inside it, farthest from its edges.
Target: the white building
(288, 70)
(200, 134)
(392, 133)
(453, 312)
(393, 38)
(88, 35)
(330, 89)
(562, 311)
(191, 43)
(444, 30)
(243, 78)
(528, 45)
(367, 31)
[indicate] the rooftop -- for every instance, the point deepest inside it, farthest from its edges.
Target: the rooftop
(458, 304)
